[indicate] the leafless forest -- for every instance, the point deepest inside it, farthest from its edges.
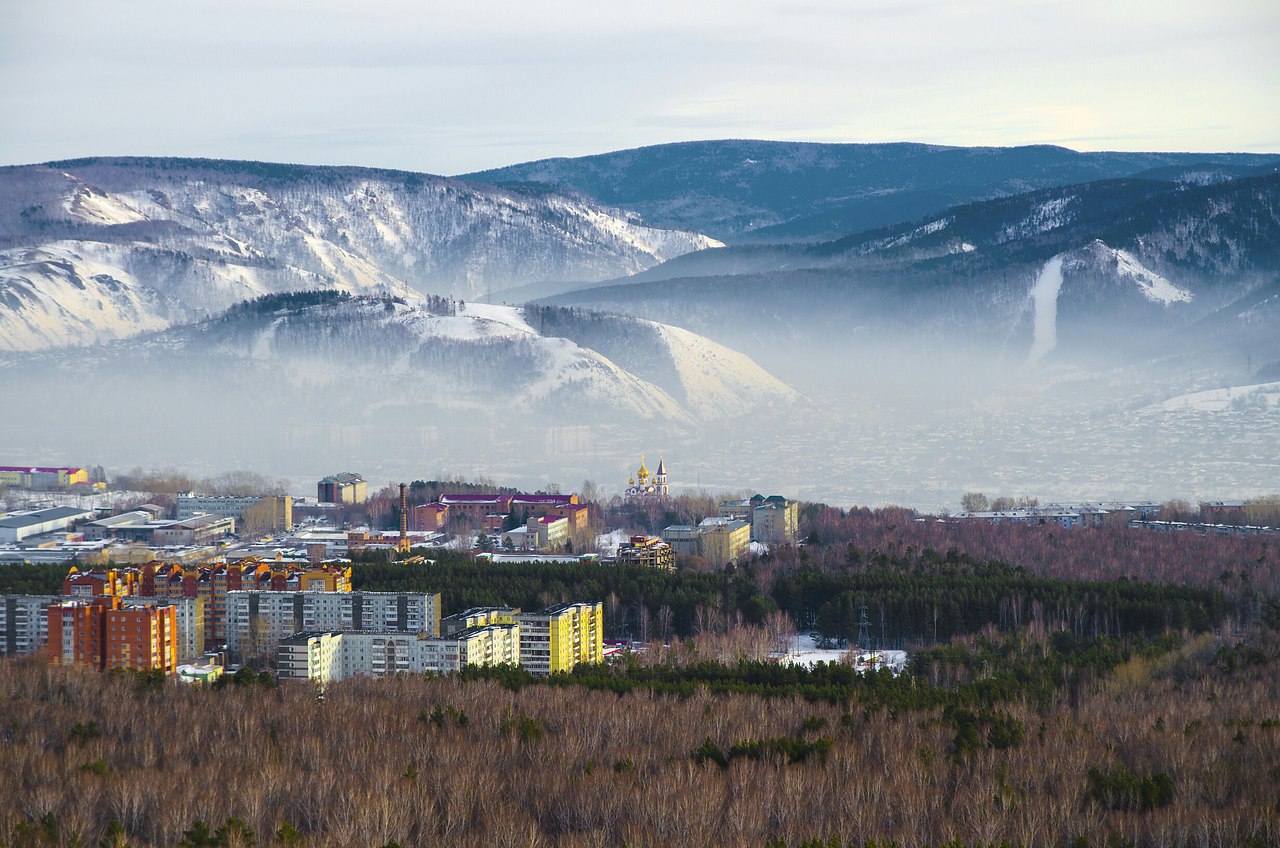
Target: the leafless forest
(375, 762)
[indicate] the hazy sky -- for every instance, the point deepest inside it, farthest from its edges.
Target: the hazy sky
(457, 86)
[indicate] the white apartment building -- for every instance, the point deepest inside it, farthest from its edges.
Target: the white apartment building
(257, 620)
(322, 657)
(24, 625)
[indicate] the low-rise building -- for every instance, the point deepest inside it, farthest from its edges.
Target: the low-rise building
(42, 476)
(21, 525)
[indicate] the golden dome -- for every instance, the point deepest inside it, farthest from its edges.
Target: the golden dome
(643, 473)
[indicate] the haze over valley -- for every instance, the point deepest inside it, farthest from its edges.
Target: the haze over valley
(854, 323)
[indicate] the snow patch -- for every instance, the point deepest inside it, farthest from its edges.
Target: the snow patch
(1044, 297)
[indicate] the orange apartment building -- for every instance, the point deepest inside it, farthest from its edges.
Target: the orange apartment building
(77, 631)
(142, 638)
(209, 583)
(97, 633)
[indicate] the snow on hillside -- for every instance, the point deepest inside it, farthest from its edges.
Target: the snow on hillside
(1259, 396)
(56, 295)
(1124, 266)
(719, 380)
(184, 240)
(476, 356)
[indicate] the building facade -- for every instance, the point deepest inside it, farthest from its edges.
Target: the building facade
(42, 476)
(257, 621)
(643, 488)
(24, 623)
(558, 638)
(344, 488)
(326, 656)
(647, 551)
(265, 511)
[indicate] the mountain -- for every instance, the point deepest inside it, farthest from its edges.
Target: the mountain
(741, 191)
(99, 249)
(456, 356)
(1144, 265)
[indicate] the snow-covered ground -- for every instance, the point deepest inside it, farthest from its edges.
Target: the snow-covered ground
(804, 651)
(1230, 398)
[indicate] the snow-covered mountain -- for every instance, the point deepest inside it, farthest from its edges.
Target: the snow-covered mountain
(464, 357)
(101, 249)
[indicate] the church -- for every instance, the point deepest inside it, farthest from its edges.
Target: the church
(644, 488)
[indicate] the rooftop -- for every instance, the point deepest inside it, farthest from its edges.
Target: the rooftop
(40, 516)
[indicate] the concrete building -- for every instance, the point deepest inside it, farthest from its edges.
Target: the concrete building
(24, 623)
(344, 488)
(648, 551)
(265, 512)
(142, 637)
(77, 631)
(188, 622)
(259, 620)
(560, 637)
(723, 540)
(775, 521)
(42, 477)
(547, 532)
(718, 540)
(326, 656)
(20, 525)
(682, 538)
(477, 617)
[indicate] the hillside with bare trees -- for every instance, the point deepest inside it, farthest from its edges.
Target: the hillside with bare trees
(1173, 748)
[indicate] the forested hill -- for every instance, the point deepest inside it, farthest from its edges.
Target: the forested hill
(742, 190)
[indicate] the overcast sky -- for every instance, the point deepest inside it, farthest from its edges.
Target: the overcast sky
(448, 87)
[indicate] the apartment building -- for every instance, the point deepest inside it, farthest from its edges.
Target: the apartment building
(559, 637)
(142, 637)
(344, 488)
(24, 623)
(98, 633)
(326, 656)
(263, 512)
(259, 620)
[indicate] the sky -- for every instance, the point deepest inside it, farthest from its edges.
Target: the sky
(454, 87)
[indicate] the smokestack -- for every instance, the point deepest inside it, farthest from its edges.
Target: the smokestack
(404, 520)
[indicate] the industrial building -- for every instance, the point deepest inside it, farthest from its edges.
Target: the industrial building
(42, 477)
(20, 525)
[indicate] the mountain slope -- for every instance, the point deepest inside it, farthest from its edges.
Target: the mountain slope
(1140, 259)
(744, 190)
(467, 358)
(162, 241)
